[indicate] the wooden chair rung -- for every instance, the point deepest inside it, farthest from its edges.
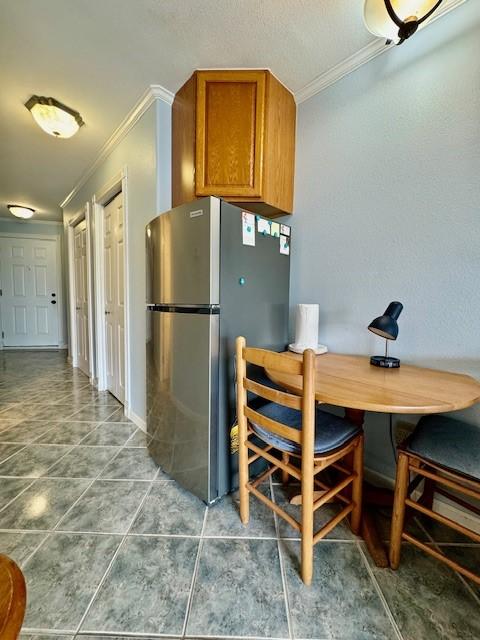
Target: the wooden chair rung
(454, 498)
(266, 474)
(442, 557)
(278, 510)
(456, 486)
(341, 468)
(286, 467)
(325, 487)
(331, 524)
(257, 456)
(331, 493)
(443, 520)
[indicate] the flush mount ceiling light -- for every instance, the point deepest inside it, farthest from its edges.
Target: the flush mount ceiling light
(54, 117)
(397, 20)
(20, 212)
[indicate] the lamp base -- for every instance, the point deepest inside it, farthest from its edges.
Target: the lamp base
(385, 362)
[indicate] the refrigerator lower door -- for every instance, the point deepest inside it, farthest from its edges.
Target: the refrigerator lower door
(182, 385)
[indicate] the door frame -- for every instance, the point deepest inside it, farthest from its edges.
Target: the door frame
(60, 321)
(83, 214)
(116, 184)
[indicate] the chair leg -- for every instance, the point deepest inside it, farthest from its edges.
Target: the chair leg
(285, 474)
(357, 487)
(243, 478)
(307, 527)
(398, 515)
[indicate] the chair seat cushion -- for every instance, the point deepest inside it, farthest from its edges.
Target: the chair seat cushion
(453, 444)
(331, 431)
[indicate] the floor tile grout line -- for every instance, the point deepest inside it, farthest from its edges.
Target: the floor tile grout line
(54, 529)
(22, 447)
(282, 567)
(34, 479)
(379, 591)
(194, 575)
(97, 477)
(117, 551)
(463, 580)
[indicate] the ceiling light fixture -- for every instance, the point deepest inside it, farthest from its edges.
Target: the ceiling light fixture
(20, 212)
(54, 117)
(397, 20)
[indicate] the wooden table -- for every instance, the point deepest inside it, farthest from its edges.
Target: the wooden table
(353, 383)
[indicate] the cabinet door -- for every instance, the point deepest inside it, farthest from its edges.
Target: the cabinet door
(230, 132)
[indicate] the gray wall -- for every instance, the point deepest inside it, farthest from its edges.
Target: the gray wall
(145, 152)
(387, 206)
(31, 228)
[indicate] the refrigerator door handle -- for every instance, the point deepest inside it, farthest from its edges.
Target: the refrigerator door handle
(208, 309)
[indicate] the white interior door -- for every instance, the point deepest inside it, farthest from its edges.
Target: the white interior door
(81, 296)
(114, 297)
(29, 301)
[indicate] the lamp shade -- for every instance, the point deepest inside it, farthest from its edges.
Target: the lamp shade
(21, 212)
(410, 12)
(386, 326)
(54, 117)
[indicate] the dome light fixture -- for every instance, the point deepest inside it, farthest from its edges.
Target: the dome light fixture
(54, 117)
(397, 20)
(20, 212)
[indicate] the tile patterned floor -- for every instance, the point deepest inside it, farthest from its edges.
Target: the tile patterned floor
(111, 547)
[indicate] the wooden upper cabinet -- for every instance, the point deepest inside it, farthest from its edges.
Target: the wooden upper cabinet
(233, 136)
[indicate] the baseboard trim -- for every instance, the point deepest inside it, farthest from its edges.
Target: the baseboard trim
(444, 506)
(140, 422)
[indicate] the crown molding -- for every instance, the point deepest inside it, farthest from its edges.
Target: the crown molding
(361, 57)
(154, 92)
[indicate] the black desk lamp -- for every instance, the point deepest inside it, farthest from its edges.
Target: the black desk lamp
(386, 326)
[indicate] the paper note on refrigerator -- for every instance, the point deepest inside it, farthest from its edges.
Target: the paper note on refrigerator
(263, 226)
(275, 229)
(248, 228)
(285, 245)
(285, 229)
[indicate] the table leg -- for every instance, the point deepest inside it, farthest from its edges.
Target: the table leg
(372, 496)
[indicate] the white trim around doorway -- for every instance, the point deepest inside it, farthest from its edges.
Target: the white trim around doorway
(83, 214)
(116, 184)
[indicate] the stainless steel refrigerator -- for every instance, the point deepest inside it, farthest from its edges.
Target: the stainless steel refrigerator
(210, 278)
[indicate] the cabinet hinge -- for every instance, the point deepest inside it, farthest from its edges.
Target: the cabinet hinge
(1, 292)
(3, 334)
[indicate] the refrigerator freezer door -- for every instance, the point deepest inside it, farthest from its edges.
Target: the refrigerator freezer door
(182, 380)
(183, 249)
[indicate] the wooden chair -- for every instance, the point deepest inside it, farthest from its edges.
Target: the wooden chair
(294, 427)
(441, 451)
(12, 599)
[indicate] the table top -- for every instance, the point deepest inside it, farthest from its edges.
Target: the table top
(352, 382)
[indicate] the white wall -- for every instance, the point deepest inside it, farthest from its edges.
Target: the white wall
(145, 153)
(388, 206)
(44, 229)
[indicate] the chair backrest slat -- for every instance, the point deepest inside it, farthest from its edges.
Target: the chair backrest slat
(274, 395)
(295, 435)
(273, 361)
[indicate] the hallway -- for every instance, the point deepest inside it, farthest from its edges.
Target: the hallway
(109, 545)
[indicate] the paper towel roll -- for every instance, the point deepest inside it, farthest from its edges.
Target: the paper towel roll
(306, 326)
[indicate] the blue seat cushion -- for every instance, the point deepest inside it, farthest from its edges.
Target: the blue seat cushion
(331, 431)
(453, 444)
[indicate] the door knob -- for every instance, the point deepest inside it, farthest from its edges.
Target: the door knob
(53, 301)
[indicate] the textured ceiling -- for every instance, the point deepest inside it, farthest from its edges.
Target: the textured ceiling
(99, 56)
